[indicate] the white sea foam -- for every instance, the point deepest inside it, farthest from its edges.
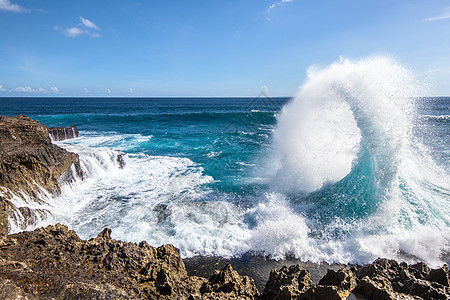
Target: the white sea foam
(319, 133)
(350, 114)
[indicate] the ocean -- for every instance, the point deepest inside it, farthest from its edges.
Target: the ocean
(352, 168)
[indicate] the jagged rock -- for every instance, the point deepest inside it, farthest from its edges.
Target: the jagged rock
(227, 281)
(419, 270)
(120, 160)
(287, 283)
(328, 292)
(30, 165)
(344, 280)
(387, 279)
(378, 287)
(53, 262)
(63, 133)
(441, 275)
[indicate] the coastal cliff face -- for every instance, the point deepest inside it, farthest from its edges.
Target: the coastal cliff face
(30, 167)
(63, 133)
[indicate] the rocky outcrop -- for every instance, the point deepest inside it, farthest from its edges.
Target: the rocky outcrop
(63, 133)
(30, 167)
(53, 262)
(383, 279)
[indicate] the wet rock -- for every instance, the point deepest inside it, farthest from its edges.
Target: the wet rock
(63, 133)
(120, 160)
(30, 166)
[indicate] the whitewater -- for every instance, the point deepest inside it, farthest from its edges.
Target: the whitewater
(352, 168)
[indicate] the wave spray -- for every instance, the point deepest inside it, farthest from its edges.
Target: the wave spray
(348, 160)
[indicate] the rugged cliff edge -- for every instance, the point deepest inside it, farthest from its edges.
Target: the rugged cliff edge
(53, 262)
(30, 166)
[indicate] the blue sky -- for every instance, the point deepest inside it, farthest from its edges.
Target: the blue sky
(210, 48)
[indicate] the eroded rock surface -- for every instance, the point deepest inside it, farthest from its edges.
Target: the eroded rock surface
(63, 133)
(53, 262)
(383, 279)
(30, 166)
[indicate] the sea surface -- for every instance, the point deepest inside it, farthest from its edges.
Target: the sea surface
(352, 168)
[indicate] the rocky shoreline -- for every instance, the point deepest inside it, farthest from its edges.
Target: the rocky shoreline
(54, 263)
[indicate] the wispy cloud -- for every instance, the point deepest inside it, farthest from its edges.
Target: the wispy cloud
(272, 6)
(89, 24)
(443, 16)
(8, 6)
(28, 89)
(74, 31)
(85, 27)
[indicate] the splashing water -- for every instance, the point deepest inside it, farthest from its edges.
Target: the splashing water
(347, 158)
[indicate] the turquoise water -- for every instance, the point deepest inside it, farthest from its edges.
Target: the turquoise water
(343, 172)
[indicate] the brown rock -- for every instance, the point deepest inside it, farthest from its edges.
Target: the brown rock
(53, 262)
(227, 281)
(287, 283)
(378, 287)
(63, 133)
(344, 280)
(29, 163)
(441, 275)
(328, 292)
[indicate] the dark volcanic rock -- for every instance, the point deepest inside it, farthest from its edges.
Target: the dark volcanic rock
(228, 281)
(53, 262)
(63, 133)
(29, 164)
(387, 279)
(383, 279)
(287, 283)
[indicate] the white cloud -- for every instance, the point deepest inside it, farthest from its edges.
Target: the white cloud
(7, 5)
(79, 30)
(445, 15)
(73, 31)
(272, 6)
(28, 89)
(89, 24)
(1, 88)
(54, 89)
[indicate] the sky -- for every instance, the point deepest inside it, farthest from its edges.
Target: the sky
(210, 47)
